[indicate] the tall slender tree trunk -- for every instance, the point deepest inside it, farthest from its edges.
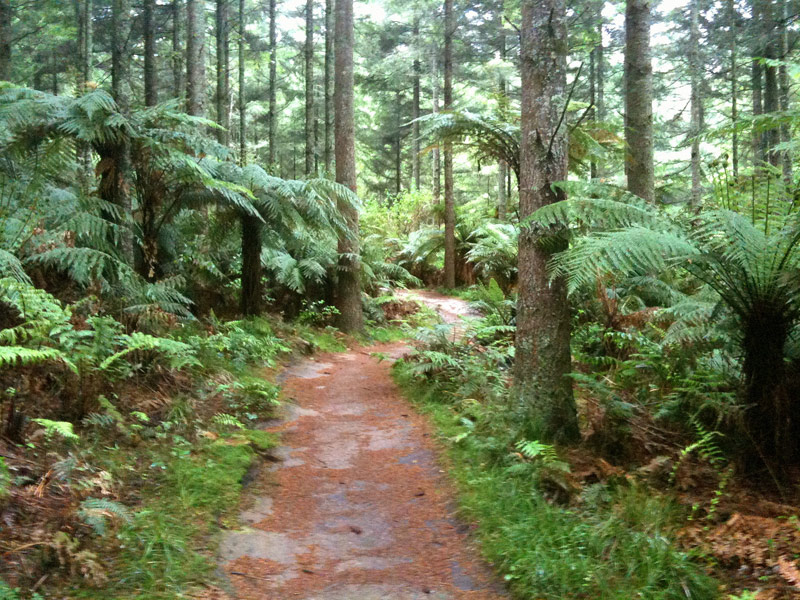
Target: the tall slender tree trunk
(85, 28)
(222, 94)
(329, 75)
(733, 17)
(311, 141)
(195, 57)
(783, 76)
(85, 43)
(436, 169)
(348, 292)
(150, 67)
(502, 167)
(449, 196)
(398, 145)
(771, 92)
(242, 88)
(415, 146)
(639, 100)
(695, 68)
(757, 82)
(178, 70)
(120, 192)
(273, 66)
(542, 359)
(5, 40)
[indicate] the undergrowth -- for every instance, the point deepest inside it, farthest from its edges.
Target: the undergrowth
(614, 544)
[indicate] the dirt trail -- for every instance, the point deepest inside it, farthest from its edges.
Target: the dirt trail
(360, 509)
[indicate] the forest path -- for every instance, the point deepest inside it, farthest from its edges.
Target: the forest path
(360, 509)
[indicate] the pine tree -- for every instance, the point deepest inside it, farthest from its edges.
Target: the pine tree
(542, 357)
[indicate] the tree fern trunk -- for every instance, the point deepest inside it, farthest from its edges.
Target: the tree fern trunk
(252, 292)
(542, 362)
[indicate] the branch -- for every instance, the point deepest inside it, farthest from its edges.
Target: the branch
(564, 112)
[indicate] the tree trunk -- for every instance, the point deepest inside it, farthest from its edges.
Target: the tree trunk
(696, 77)
(502, 167)
(543, 360)
(435, 155)
(309, 74)
(178, 71)
(329, 75)
(783, 76)
(195, 57)
(150, 69)
(85, 27)
(222, 94)
(733, 16)
(5, 40)
(273, 65)
(449, 199)
(757, 84)
(415, 146)
(639, 100)
(242, 89)
(251, 266)
(120, 192)
(348, 293)
(771, 93)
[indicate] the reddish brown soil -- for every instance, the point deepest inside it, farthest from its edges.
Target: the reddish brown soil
(360, 510)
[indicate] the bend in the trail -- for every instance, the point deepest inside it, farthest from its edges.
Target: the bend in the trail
(361, 509)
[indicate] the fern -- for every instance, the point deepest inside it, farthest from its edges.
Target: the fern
(96, 512)
(16, 356)
(227, 421)
(178, 354)
(61, 429)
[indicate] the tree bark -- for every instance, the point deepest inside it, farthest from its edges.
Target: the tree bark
(120, 192)
(733, 16)
(435, 155)
(195, 57)
(242, 89)
(251, 266)
(417, 73)
(449, 199)
(502, 167)
(771, 93)
(150, 67)
(309, 75)
(696, 77)
(398, 145)
(223, 69)
(273, 65)
(783, 77)
(178, 71)
(348, 293)
(639, 100)
(542, 359)
(5, 40)
(329, 75)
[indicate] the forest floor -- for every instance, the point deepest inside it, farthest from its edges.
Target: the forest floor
(356, 505)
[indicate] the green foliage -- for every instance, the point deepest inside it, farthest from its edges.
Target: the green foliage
(617, 545)
(96, 512)
(61, 429)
